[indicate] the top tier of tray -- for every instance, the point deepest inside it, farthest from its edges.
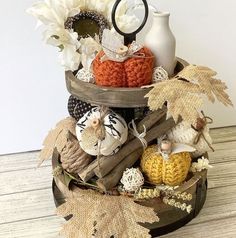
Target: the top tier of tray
(109, 96)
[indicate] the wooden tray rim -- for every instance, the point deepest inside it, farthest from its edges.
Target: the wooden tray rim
(109, 96)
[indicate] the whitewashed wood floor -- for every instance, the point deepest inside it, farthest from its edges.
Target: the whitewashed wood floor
(27, 208)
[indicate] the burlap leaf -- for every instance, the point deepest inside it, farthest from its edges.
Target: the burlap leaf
(204, 77)
(97, 215)
(182, 99)
(57, 138)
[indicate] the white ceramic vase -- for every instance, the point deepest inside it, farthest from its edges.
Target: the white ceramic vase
(161, 41)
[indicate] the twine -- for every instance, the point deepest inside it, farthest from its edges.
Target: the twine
(124, 56)
(205, 120)
(138, 135)
(101, 129)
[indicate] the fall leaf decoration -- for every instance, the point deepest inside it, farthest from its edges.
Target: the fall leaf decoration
(183, 93)
(182, 99)
(210, 86)
(57, 137)
(93, 216)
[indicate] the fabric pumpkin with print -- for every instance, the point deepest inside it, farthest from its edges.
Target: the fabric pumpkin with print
(101, 132)
(77, 108)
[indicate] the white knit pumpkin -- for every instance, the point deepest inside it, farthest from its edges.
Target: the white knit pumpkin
(116, 132)
(184, 133)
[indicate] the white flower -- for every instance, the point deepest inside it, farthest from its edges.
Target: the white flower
(49, 12)
(200, 165)
(69, 58)
(57, 36)
(67, 41)
(54, 13)
(73, 6)
(89, 49)
(98, 5)
(125, 21)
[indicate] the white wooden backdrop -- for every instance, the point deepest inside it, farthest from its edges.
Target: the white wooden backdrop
(33, 96)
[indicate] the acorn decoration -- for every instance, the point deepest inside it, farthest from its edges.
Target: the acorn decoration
(167, 163)
(73, 158)
(118, 65)
(77, 108)
(101, 131)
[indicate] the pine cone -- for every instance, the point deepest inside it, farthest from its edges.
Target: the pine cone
(73, 158)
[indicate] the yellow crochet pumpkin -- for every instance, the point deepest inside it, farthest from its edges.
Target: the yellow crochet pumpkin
(172, 171)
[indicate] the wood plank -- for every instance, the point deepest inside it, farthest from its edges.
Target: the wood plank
(223, 134)
(26, 205)
(46, 227)
(20, 161)
(224, 152)
(220, 203)
(28, 208)
(222, 174)
(222, 228)
(25, 180)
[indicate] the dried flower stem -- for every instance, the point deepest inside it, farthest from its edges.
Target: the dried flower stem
(172, 202)
(57, 171)
(144, 193)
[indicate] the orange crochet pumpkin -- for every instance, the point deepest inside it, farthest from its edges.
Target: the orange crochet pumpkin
(134, 72)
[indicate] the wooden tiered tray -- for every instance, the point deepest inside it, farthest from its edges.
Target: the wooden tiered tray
(128, 99)
(108, 96)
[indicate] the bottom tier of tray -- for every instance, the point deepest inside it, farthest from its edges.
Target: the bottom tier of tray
(170, 218)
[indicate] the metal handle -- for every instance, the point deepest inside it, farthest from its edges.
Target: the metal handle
(129, 37)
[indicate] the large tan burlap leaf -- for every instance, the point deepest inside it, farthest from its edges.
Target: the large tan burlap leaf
(182, 99)
(184, 92)
(100, 216)
(211, 87)
(57, 137)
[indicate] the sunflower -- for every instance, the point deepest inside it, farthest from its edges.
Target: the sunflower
(68, 22)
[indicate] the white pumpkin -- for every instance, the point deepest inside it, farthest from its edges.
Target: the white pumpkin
(116, 132)
(184, 133)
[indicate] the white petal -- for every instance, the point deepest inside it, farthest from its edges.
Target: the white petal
(69, 58)
(49, 12)
(177, 148)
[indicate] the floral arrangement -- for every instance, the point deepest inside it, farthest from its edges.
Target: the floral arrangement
(54, 14)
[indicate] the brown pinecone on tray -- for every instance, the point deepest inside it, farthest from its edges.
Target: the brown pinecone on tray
(73, 158)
